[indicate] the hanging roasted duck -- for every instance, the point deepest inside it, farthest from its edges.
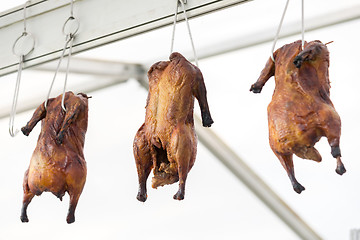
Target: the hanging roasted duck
(57, 164)
(301, 112)
(167, 142)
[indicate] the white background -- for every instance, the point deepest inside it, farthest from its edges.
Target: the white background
(216, 204)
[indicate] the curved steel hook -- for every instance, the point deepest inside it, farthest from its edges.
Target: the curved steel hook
(15, 100)
(280, 24)
(56, 72)
(182, 3)
(70, 35)
(21, 54)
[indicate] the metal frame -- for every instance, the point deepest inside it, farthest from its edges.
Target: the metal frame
(110, 73)
(114, 73)
(137, 16)
(267, 35)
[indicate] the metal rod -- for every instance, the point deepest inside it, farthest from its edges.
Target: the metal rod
(67, 73)
(25, 6)
(110, 29)
(15, 99)
(56, 72)
(278, 31)
(174, 27)
(190, 35)
(302, 24)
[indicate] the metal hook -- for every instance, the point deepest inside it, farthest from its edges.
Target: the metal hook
(56, 72)
(302, 25)
(21, 53)
(182, 3)
(15, 100)
(23, 45)
(280, 24)
(72, 8)
(25, 6)
(67, 73)
(70, 28)
(174, 26)
(278, 31)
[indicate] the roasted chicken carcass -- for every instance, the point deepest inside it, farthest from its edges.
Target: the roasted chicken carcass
(167, 142)
(57, 164)
(301, 111)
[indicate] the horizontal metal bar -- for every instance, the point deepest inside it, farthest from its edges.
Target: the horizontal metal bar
(101, 22)
(267, 35)
(102, 74)
(95, 67)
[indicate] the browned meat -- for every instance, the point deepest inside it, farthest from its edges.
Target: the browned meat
(301, 111)
(57, 164)
(167, 141)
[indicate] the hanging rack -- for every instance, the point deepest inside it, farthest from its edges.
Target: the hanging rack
(70, 28)
(182, 3)
(23, 45)
(280, 24)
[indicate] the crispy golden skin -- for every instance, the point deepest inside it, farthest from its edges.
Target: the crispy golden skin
(167, 142)
(301, 111)
(57, 164)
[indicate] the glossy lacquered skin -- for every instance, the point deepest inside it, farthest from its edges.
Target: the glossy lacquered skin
(167, 142)
(58, 164)
(300, 112)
